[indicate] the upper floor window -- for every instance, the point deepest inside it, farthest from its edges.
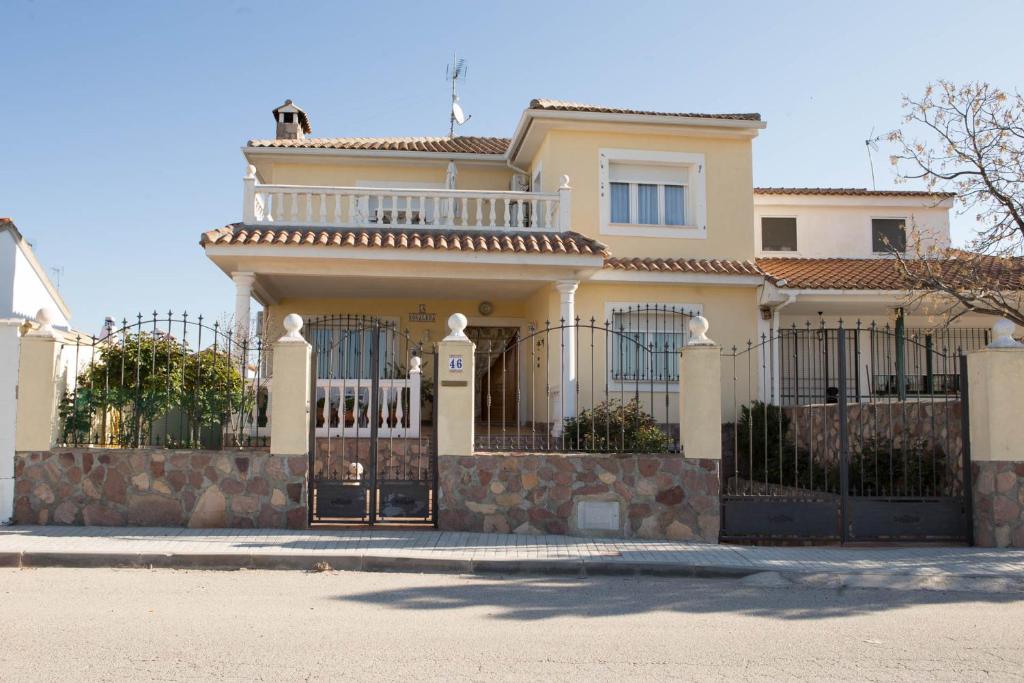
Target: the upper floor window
(888, 234)
(778, 233)
(652, 194)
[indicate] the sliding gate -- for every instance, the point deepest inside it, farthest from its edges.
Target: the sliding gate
(847, 434)
(372, 459)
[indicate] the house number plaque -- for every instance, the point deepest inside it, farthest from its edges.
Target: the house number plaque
(455, 363)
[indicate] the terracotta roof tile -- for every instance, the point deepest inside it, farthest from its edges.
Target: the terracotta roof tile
(885, 273)
(849, 192)
(699, 266)
(559, 105)
(441, 145)
(526, 242)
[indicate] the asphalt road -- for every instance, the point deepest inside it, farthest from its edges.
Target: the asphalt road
(104, 624)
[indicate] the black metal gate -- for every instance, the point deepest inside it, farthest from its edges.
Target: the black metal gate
(848, 434)
(372, 452)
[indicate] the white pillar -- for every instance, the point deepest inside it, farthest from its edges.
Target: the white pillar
(243, 298)
(567, 352)
(564, 205)
(289, 395)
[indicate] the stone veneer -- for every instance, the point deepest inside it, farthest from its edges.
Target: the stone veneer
(157, 487)
(998, 504)
(659, 496)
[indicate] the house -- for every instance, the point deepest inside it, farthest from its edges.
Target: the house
(631, 222)
(25, 289)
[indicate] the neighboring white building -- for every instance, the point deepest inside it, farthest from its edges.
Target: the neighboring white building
(24, 289)
(847, 222)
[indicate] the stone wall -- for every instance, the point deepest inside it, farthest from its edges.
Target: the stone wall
(930, 423)
(998, 504)
(656, 496)
(157, 487)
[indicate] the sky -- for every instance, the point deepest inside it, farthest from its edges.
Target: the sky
(121, 123)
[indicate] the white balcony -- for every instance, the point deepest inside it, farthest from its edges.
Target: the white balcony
(362, 207)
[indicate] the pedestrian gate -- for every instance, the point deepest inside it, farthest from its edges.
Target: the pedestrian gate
(372, 453)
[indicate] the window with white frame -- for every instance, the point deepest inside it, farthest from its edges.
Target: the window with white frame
(652, 194)
(645, 341)
(778, 233)
(888, 234)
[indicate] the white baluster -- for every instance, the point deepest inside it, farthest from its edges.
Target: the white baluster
(422, 210)
(533, 213)
(493, 200)
(309, 207)
(438, 218)
(364, 212)
(465, 212)
(549, 213)
(479, 211)
(294, 199)
(323, 208)
(507, 223)
(384, 409)
(521, 217)
(336, 217)
(399, 412)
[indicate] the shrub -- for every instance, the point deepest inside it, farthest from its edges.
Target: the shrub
(615, 427)
(765, 454)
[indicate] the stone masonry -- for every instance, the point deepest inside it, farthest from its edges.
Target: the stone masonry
(156, 487)
(658, 496)
(998, 504)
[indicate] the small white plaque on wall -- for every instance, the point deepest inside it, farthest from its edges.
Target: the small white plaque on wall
(597, 515)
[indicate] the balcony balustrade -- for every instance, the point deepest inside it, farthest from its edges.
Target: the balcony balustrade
(361, 207)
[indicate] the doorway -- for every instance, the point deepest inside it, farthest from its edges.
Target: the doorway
(496, 400)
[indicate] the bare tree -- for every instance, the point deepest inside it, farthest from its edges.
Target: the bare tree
(969, 139)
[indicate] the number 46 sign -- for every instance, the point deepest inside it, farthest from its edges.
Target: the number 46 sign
(454, 363)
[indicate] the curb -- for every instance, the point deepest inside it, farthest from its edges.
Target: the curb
(364, 563)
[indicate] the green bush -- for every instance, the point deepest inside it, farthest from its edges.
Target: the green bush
(615, 427)
(880, 469)
(765, 455)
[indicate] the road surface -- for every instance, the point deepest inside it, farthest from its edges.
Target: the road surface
(105, 624)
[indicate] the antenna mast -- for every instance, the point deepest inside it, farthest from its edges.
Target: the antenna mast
(456, 70)
(872, 144)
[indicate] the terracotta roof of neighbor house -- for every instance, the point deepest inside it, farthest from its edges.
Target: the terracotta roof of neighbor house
(885, 273)
(850, 192)
(456, 145)
(559, 105)
(505, 242)
(682, 265)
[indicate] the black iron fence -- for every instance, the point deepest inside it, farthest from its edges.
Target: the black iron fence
(846, 433)
(168, 381)
(583, 385)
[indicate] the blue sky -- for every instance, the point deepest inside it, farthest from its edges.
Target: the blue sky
(121, 123)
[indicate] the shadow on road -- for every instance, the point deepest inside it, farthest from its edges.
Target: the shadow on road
(533, 599)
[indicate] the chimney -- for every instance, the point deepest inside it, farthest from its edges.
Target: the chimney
(292, 122)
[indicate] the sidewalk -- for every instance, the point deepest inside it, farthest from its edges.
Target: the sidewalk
(430, 550)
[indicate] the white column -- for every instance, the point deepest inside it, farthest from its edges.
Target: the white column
(243, 299)
(567, 352)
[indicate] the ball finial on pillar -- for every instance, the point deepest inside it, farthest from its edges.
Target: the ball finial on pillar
(699, 331)
(292, 325)
(457, 326)
(1002, 335)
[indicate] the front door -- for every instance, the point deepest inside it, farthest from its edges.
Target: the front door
(371, 459)
(497, 375)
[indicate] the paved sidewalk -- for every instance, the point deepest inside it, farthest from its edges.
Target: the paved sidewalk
(429, 550)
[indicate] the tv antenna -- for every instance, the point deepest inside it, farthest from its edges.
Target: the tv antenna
(872, 146)
(456, 70)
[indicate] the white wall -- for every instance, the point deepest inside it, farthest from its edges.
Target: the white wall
(8, 411)
(841, 227)
(29, 293)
